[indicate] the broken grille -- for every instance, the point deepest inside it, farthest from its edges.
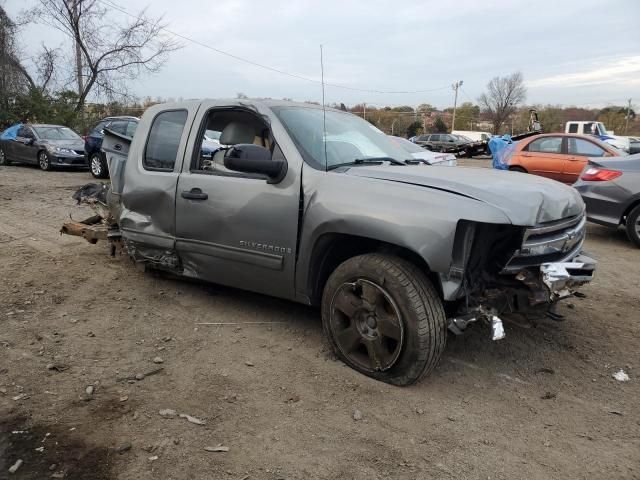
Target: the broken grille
(551, 242)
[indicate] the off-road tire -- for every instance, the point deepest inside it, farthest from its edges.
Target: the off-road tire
(517, 169)
(3, 158)
(97, 166)
(422, 314)
(44, 162)
(632, 225)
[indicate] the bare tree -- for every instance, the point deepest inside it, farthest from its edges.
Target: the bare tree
(502, 98)
(111, 54)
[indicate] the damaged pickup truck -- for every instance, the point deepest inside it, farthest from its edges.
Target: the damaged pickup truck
(321, 208)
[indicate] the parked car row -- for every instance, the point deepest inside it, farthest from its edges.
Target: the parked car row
(43, 145)
(55, 145)
(606, 177)
(50, 146)
(93, 141)
(457, 142)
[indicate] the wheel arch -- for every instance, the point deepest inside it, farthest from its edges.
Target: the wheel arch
(633, 204)
(331, 249)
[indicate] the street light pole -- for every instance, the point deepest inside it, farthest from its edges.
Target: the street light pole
(626, 123)
(455, 87)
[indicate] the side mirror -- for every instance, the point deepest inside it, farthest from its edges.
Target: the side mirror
(29, 141)
(250, 158)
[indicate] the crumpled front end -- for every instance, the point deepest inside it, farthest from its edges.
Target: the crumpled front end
(511, 270)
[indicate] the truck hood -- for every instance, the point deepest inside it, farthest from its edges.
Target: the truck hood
(525, 199)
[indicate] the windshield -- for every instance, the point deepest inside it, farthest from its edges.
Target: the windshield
(56, 133)
(600, 126)
(463, 138)
(407, 145)
(348, 137)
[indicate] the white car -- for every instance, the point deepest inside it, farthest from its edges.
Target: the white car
(428, 157)
(473, 135)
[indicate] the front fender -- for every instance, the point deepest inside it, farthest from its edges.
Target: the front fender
(420, 219)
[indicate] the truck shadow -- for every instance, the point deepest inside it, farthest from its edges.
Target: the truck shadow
(524, 350)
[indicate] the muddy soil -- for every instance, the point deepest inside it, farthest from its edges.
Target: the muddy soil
(540, 404)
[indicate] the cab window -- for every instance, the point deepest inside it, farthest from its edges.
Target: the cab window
(573, 128)
(164, 139)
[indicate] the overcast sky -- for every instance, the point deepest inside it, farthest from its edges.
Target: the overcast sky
(584, 52)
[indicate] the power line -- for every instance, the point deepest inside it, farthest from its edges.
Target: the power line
(267, 67)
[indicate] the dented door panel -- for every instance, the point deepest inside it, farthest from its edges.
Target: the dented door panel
(147, 218)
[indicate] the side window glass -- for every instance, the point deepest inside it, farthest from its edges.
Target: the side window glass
(100, 127)
(131, 129)
(573, 128)
(224, 129)
(26, 132)
(118, 126)
(578, 146)
(164, 139)
(435, 138)
(546, 145)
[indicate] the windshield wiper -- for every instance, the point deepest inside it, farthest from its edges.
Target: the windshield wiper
(366, 161)
(416, 161)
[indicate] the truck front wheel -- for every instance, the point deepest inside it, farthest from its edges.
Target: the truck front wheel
(383, 317)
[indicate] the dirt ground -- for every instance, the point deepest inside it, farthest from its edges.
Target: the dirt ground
(539, 404)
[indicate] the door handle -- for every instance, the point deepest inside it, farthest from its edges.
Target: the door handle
(117, 146)
(194, 194)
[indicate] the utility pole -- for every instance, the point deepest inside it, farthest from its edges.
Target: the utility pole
(626, 123)
(455, 87)
(78, 51)
(364, 110)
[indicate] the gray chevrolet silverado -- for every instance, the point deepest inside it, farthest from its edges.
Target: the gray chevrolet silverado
(321, 208)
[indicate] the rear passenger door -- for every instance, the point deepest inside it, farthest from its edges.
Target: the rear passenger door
(579, 150)
(543, 156)
(152, 169)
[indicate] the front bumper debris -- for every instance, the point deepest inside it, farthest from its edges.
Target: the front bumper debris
(562, 277)
(541, 287)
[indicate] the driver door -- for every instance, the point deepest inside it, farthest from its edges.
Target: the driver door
(235, 228)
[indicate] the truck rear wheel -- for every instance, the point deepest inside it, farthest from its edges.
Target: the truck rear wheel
(383, 317)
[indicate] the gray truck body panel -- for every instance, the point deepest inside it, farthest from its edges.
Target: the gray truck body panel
(262, 237)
